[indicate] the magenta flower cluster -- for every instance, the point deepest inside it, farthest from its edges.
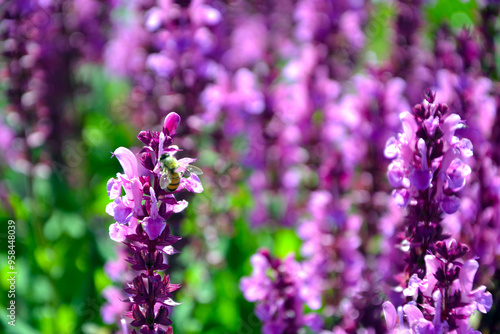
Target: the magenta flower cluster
(447, 298)
(427, 172)
(141, 216)
(428, 158)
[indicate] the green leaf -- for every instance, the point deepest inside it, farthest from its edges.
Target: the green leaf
(286, 242)
(66, 319)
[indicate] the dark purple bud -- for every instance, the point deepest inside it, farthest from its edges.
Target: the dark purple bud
(158, 264)
(429, 95)
(145, 137)
(162, 317)
(139, 263)
(139, 318)
(419, 110)
(441, 249)
(442, 110)
(146, 187)
(147, 160)
(150, 316)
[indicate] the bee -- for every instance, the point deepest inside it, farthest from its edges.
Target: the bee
(173, 170)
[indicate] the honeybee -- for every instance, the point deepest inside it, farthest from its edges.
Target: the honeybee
(173, 170)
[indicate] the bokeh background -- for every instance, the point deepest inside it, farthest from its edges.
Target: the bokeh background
(278, 99)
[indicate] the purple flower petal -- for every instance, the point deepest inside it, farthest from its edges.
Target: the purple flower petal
(193, 184)
(153, 227)
(255, 288)
(484, 300)
(114, 188)
(456, 173)
(118, 232)
(456, 182)
(264, 312)
(466, 276)
(169, 250)
(259, 264)
(413, 285)
(451, 123)
(119, 211)
(128, 161)
(401, 197)
(202, 14)
(421, 179)
(161, 64)
(450, 204)
(171, 302)
(424, 327)
(431, 124)
(396, 173)
(390, 314)
(154, 18)
(409, 126)
(432, 264)
(391, 148)
(180, 206)
(136, 187)
(277, 327)
(465, 147)
(413, 314)
(437, 296)
(314, 322)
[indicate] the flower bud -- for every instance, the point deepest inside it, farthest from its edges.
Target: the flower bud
(171, 122)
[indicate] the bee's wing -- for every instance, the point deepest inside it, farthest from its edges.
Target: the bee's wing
(183, 164)
(165, 179)
(194, 170)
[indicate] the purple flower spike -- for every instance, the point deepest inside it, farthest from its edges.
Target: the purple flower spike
(436, 278)
(141, 224)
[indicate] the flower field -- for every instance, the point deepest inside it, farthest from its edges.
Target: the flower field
(250, 166)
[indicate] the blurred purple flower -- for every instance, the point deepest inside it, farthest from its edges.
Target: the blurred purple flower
(276, 287)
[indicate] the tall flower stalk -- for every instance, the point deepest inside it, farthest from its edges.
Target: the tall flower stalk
(141, 224)
(427, 172)
(42, 44)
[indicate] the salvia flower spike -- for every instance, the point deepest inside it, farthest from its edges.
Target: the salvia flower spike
(141, 208)
(428, 170)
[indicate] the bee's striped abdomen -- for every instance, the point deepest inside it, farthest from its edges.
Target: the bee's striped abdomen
(176, 179)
